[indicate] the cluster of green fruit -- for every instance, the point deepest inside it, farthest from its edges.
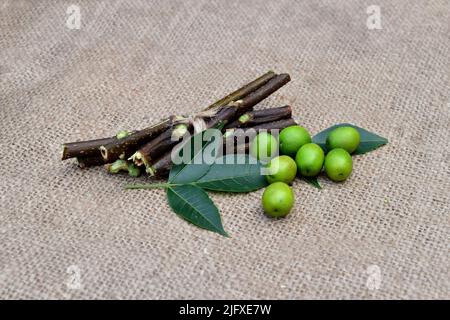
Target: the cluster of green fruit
(295, 143)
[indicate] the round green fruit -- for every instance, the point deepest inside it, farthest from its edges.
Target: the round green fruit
(310, 159)
(264, 146)
(338, 164)
(278, 200)
(292, 138)
(281, 169)
(347, 138)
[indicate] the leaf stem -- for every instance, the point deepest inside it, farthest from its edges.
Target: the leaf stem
(150, 186)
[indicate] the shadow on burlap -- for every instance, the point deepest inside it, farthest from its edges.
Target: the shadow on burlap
(71, 233)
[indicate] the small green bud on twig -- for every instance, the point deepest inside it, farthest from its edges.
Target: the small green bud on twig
(117, 166)
(133, 170)
(123, 165)
(122, 134)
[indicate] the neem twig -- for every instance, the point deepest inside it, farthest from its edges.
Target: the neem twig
(243, 91)
(123, 148)
(255, 117)
(84, 162)
(84, 148)
(263, 92)
(280, 124)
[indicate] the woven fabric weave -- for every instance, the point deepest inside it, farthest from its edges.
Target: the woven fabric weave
(77, 234)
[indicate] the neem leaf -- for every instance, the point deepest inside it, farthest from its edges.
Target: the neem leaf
(313, 181)
(193, 204)
(195, 147)
(233, 173)
(369, 141)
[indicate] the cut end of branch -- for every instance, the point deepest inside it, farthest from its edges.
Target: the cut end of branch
(104, 152)
(179, 131)
(64, 152)
(138, 159)
(236, 104)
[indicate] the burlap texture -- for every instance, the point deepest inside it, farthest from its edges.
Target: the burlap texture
(133, 62)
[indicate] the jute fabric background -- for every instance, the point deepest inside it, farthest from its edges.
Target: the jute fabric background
(72, 233)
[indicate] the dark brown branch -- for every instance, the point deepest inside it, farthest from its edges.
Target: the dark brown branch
(224, 116)
(243, 91)
(252, 118)
(84, 148)
(161, 167)
(274, 125)
(84, 162)
(263, 92)
(123, 148)
(280, 124)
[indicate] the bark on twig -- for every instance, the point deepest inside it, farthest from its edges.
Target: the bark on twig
(280, 124)
(83, 149)
(255, 117)
(243, 91)
(263, 92)
(84, 162)
(123, 148)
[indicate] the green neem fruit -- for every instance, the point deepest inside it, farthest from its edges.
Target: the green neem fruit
(343, 137)
(264, 146)
(338, 164)
(281, 169)
(278, 200)
(310, 159)
(292, 138)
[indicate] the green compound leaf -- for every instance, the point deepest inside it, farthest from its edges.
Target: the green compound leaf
(193, 204)
(195, 146)
(369, 141)
(313, 181)
(233, 173)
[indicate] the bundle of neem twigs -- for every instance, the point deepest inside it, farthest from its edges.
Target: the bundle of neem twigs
(150, 148)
